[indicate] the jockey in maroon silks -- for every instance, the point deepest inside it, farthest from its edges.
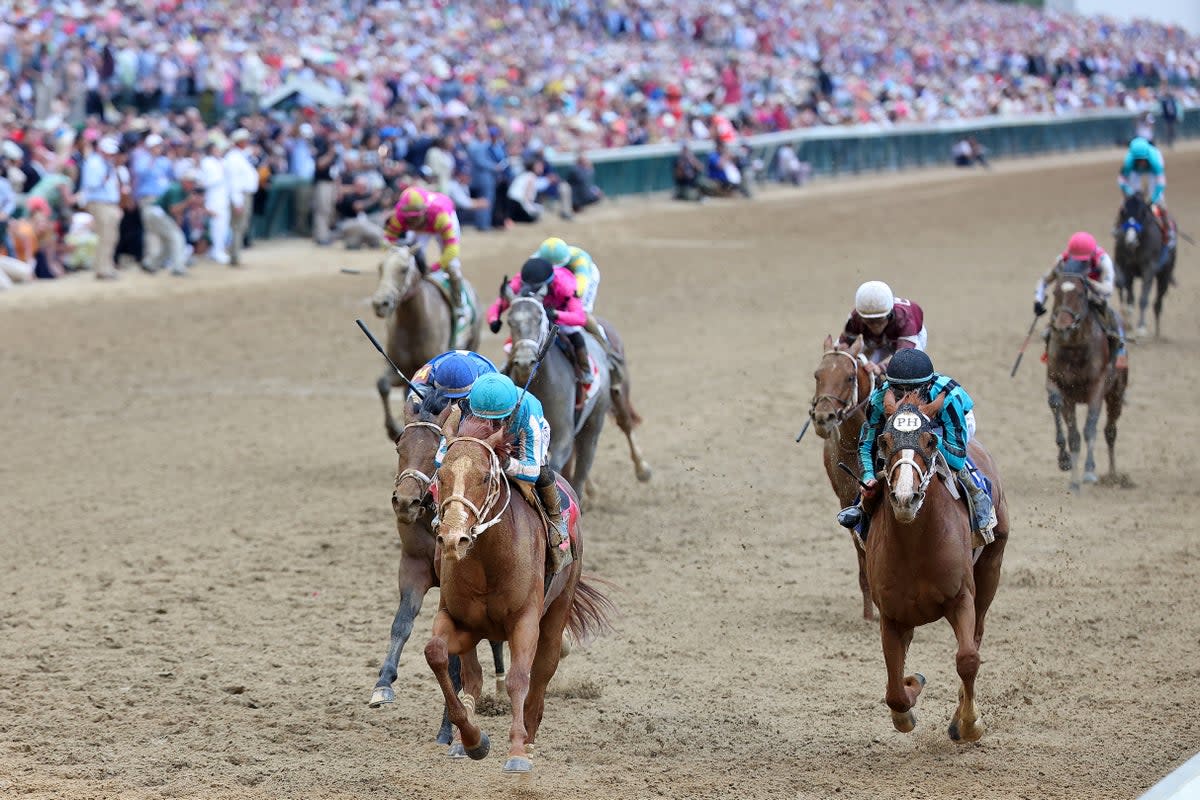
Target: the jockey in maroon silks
(887, 324)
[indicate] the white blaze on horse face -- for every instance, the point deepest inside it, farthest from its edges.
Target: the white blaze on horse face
(1068, 286)
(454, 515)
(905, 478)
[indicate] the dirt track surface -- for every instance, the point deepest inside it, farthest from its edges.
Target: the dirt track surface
(198, 555)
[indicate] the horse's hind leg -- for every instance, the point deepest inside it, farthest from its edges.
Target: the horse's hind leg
(1089, 434)
(523, 644)
(416, 576)
(1113, 405)
(498, 662)
(1143, 302)
(863, 584)
(448, 640)
(1055, 399)
(966, 724)
(585, 451)
(627, 420)
(902, 691)
(551, 641)
(1073, 442)
(1162, 282)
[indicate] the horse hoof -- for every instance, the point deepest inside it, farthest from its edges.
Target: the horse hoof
(919, 678)
(480, 750)
(1141, 332)
(518, 765)
(1064, 462)
(966, 733)
(1075, 487)
(644, 473)
(381, 695)
(904, 722)
(1090, 477)
(456, 751)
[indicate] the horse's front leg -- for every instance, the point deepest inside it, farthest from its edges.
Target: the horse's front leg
(385, 383)
(1143, 302)
(498, 663)
(864, 584)
(1095, 403)
(448, 640)
(902, 691)
(1073, 441)
(1055, 398)
(966, 724)
(522, 645)
(416, 576)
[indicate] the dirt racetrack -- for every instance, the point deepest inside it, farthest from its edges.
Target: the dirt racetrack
(198, 555)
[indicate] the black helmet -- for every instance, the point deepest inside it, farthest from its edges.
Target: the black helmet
(536, 273)
(910, 367)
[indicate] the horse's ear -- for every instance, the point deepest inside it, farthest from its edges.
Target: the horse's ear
(931, 410)
(494, 440)
(450, 426)
(889, 402)
(828, 343)
(857, 348)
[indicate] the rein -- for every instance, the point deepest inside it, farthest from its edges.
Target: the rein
(925, 476)
(852, 406)
(423, 481)
(496, 485)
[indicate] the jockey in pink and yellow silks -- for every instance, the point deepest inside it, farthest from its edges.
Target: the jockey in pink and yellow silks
(421, 215)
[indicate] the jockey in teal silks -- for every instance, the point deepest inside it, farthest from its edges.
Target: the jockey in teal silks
(1144, 163)
(912, 371)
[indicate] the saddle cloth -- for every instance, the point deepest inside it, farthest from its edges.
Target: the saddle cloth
(468, 312)
(566, 501)
(981, 481)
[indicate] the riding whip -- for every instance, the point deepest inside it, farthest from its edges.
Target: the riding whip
(383, 352)
(550, 337)
(1185, 237)
(1024, 344)
(804, 430)
(842, 466)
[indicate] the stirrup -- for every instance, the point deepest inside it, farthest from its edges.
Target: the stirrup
(849, 518)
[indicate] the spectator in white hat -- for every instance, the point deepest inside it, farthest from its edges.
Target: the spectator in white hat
(243, 184)
(100, 191)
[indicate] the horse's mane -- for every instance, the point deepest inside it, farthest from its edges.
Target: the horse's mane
(480, 428)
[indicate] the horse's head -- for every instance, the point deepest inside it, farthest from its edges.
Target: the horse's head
(415, 452)
(909, 449)
(398, 276)
(1070, 305)
(838, 389)
(1132, 220)
(471, 481)
(529, 326)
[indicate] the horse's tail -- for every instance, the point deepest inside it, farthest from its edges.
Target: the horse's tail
(591, 611)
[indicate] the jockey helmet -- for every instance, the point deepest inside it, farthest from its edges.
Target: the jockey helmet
(412, 202)
(454, 375)
(494, 396)
(874, 300)
(1081, 247)
(555, 250)
(1140, 149)
(910, 368)
(536, 274)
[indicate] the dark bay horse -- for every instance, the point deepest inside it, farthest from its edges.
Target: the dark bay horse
(419, 322)
(838, 412)
(412, 501)
(1080, 370)
(1138, 253)
(573, 438)
(491, 561)
(919, 560)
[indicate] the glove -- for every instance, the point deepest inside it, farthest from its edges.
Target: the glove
(552, 315)
(872, 486)
(1038, 308)
(494, 325)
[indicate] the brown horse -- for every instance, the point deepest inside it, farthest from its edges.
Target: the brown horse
(492, 560)
(419, 321)
(1079, 369)
(838, 413)
(919, 559)
(412, 501)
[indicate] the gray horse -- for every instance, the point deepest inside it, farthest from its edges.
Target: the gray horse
(554, 386)
(420, 325)
(1139, 253)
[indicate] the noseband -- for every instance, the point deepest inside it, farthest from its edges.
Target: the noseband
(543, 327)
(924, 475)
(423, 481)
(848, 407)
(496, 485)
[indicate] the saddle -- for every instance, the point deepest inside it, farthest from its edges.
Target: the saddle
(959, 492)
(468, 310)
(570, 511)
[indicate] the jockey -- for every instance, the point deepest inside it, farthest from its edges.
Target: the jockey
(1090, 259)
(1144, 162)
(888, 324)
(556, 289)
(587, 283)
(495, 396)
(450, 376)
(911, 370)
(420, 215)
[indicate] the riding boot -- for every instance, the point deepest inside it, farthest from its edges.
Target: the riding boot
(582, 369)
(454, 273)
(559, 549)
(985, 517)
(850, 517)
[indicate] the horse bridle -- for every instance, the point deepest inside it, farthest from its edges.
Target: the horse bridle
(1077, 317)
(852, 406)
(543, 327)
(423, 481)
(497, 485)
(925, 475)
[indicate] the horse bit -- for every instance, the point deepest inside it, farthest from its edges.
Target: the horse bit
(495, 483)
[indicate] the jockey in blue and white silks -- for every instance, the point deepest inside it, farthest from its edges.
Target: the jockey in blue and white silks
(1143, 162)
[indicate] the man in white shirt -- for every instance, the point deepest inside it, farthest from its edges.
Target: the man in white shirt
(100, 191)
(243, 184)
(216, 198)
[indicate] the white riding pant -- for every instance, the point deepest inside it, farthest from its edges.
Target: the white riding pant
(920, 341)
(589, 294)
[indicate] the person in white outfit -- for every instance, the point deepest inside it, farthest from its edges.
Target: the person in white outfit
(243, 184)
(216, 198)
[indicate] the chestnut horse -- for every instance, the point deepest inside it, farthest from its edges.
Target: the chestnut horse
(1079, 369)
(838, 412)
(420, 324)
(412, 502)
(919, 559)
(492, 546)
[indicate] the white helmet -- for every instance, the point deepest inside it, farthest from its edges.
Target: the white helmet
(873, 300)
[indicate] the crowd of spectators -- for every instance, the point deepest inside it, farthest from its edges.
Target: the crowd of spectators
(136, 132)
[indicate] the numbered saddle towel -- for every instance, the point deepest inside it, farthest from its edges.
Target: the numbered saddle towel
(468, 311)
